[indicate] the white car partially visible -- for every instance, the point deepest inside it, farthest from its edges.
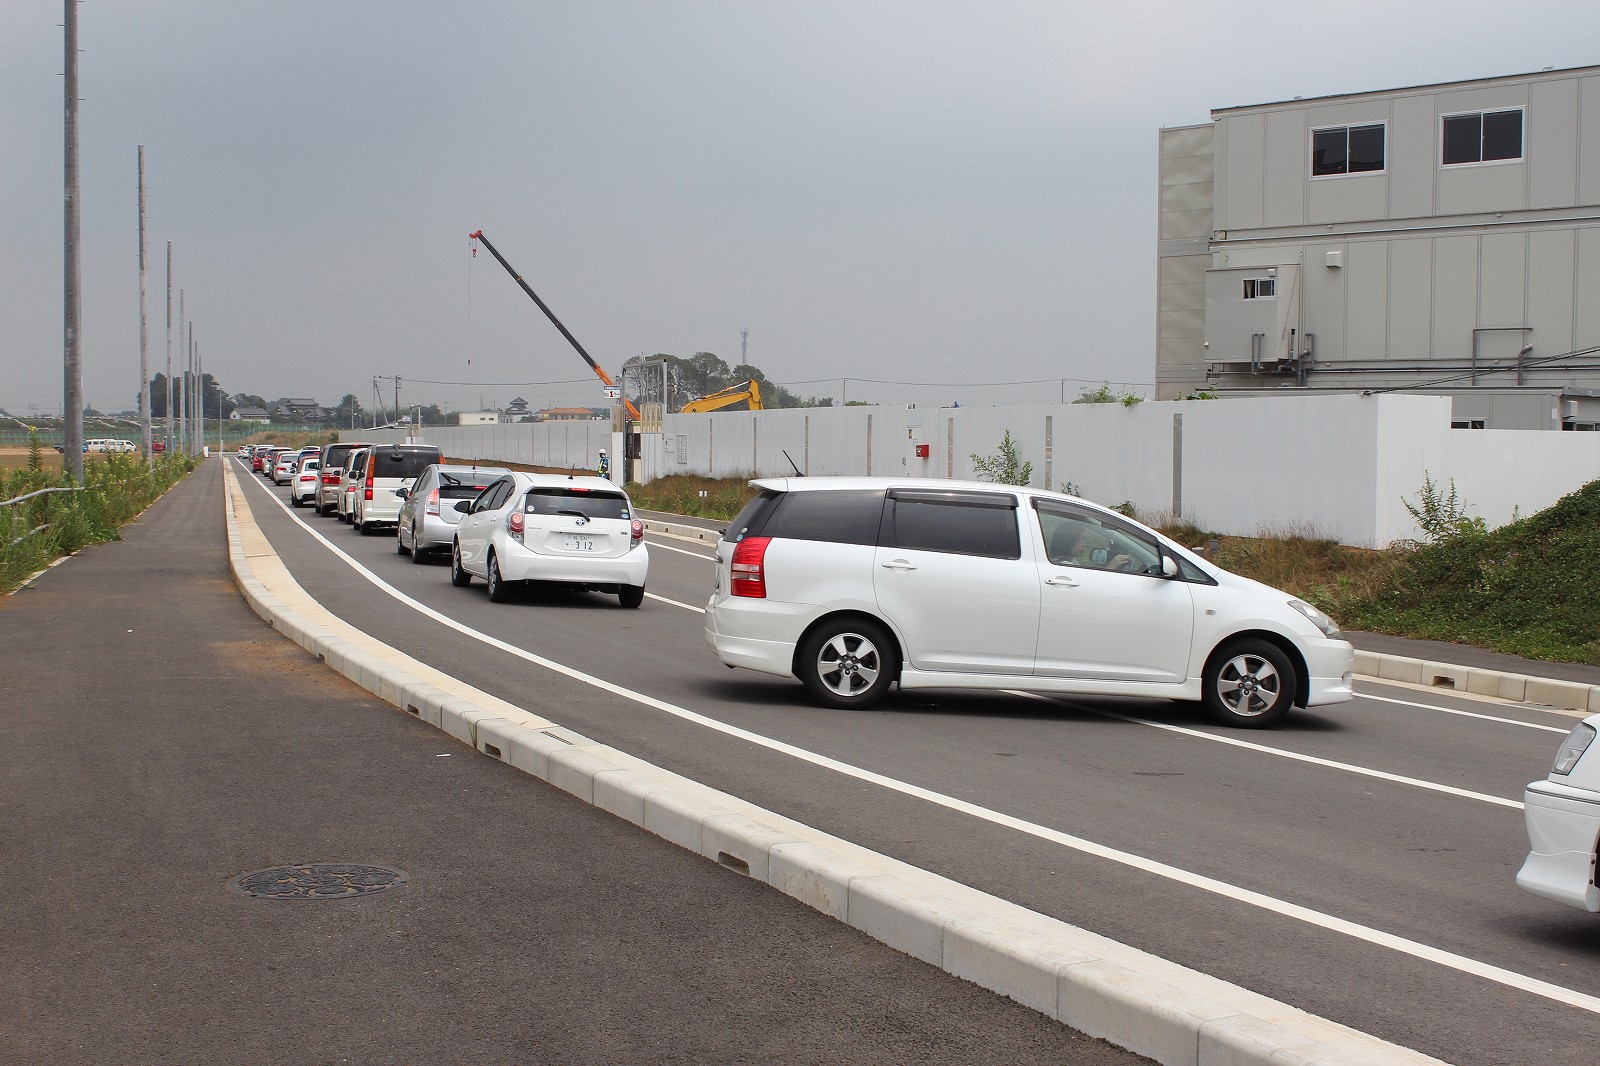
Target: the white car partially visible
(565, 530)
(1563, 818)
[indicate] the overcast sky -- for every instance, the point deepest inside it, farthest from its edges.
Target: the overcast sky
(944, 196)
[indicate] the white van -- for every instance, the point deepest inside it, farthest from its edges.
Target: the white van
(388, 467)
(854, 584)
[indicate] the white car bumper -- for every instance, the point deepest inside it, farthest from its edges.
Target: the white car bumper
(1563, 826)
(519, 564)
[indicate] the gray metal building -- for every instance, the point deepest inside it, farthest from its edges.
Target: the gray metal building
(1442, 238)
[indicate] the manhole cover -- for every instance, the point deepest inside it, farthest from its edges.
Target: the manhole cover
(337, 880)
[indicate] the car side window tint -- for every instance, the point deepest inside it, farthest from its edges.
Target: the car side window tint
(753, 517)
(975, 525)
(842, 517)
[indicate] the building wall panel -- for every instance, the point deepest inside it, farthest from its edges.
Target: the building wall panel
(1502, 290)
(1411, 299)
(1588, 176)
(1366, 281)
(1552, 149)
(1551, 308)
(1240, 200)
(1455, 296)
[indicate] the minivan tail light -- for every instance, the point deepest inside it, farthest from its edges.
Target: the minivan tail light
(748, 576)
(369, 488)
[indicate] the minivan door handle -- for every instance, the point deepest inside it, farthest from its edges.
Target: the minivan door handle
(1062, 580)
(899, 564)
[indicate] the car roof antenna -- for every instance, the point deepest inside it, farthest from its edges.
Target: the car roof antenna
(797, 471)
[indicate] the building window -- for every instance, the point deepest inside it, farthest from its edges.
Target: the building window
(1260, 288)
(1481, 137)
(1347, 150)
(1468, 423)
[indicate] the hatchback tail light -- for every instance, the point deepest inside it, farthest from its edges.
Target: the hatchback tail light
(514, 525)
(749, 577)
(635, 534)
(433, 502)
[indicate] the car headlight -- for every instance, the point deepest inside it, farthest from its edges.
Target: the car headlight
(1329, 627)
(1572, 749)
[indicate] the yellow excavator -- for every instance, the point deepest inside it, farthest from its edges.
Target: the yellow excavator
(726, 398)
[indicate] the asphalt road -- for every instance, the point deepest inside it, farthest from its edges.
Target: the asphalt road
(160, 741)
(1357, 862)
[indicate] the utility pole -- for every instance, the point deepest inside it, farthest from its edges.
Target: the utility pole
(171, 441)
(144, 326)
(397, 396)
(182, 443)
(72, 281)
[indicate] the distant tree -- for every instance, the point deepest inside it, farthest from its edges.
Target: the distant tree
(347, 414)
(248, 399)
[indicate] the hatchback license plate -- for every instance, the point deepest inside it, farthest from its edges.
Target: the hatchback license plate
(577, 542)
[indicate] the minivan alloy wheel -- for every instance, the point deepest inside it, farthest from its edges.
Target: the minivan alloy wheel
(850, 663)
(1250, 683)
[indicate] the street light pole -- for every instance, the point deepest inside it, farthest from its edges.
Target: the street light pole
(72, 282)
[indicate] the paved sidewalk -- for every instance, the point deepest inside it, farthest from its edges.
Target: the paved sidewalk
(159, 741)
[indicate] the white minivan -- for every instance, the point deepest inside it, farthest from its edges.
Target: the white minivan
(386, 469)
(853, 584)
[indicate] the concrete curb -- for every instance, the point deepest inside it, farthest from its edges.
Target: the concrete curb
(1517, 688)
(1172, 1014)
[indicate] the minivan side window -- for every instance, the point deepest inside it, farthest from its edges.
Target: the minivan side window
(966, 523)
(753, 517)
(847, 516)
(1085, 539)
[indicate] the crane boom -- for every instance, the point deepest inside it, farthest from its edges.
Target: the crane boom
(478, 236)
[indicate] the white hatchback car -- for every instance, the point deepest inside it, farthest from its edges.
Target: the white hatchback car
(565, 530)
(1563, 818)
(852, 584)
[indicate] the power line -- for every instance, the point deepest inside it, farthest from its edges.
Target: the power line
(1479, 371)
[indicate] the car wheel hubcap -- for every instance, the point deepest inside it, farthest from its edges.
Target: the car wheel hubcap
(1249, 685)
(848, 664)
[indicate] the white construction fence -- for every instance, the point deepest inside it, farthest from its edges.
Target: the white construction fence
(1341, 466)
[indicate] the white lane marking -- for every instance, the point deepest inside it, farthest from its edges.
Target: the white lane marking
(1469, 714)
(1376, 937)
(1351, 768)
(681, 551)
(675, 603)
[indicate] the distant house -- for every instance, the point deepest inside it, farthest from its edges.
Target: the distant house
(517, 410)
(479, 418)
(299, 410)
(565, 414)
(249, 414)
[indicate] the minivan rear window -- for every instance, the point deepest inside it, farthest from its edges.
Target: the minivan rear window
(402, 464)
(846, 516)
(555, 500)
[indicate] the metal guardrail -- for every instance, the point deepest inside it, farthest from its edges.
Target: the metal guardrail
(41, 492)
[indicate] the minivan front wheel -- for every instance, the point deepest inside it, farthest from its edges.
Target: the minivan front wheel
(847, 663)
(1249, 683)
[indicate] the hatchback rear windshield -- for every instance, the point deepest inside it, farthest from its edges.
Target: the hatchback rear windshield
(555, 500)
(402, 464)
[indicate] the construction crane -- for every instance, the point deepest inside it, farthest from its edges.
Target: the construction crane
(633, 412)
(726, 398)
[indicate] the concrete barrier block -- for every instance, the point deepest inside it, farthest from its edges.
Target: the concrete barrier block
(1295, 1038)
(573, 770)
(1019, 956)
(1594, 699)
(1444, 676)
(904, 915)
(1367, 663)
(618, 792)
(425, 702)
(1484, 682)
(1513, 687)
(817, 875)
(677, 812)
(742, 843)
(526, 747)
(1566, 694)
(460, 719)
(1400, 668)
(1137, 1011)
